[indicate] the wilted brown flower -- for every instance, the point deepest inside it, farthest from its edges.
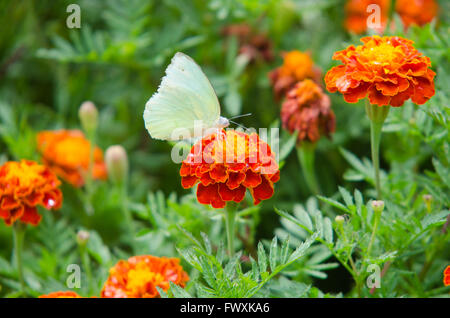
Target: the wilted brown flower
(307, 111)
(256, 46)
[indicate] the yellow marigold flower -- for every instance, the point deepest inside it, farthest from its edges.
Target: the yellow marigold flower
(297, 66)
(417, 12)
(140, 275)
(61, 294)
(389, 70)
(23, 186)
(67, 153)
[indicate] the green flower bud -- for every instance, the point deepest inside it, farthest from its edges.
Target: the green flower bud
(117, 164)
(82, 237)
(88, 115)
(339, 219)
(378, 206)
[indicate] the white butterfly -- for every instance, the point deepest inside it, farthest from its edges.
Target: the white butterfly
(185, 103)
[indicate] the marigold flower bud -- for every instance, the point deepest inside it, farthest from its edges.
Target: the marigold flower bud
(82, 237)
(88, 114)
(339, 219)
(428, 198)
(117, 163)
(378, 206)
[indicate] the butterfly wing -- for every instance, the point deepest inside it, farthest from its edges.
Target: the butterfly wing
(184, 96)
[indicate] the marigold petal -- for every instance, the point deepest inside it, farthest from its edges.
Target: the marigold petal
(188, 181)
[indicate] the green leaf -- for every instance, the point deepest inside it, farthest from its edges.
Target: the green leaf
(334, 203)
(328, 230)
(178, 292)
(273, 254)
(262, 258)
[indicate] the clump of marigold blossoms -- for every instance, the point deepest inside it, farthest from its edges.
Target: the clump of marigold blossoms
(24, 186)
(296, 67)
(389, 70)
(61, 294)
(140, 275)
(307, 110)
(256, 46)
(447, 276)
(226, 164)
(356, 15)
(417, 12)
(67, 153)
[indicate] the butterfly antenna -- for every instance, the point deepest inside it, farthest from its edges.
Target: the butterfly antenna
(239, 116)
(242, 126)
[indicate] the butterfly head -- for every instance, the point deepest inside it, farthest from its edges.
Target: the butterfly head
(222, 122)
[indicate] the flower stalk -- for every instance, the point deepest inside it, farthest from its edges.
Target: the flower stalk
(18, 237)
(377, 116)
(378, 207)
(306, 157)
(230, 221)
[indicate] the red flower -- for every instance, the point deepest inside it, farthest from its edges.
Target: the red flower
(417, 12)
(447, 276)
(23, 186)
(61, 294)
(389, 70)
(227, 163)
(140, 275)
(306, 110)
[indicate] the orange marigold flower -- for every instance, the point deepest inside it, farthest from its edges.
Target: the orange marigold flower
(67, 153)
(252, 44)
(227, 163)
(387, 69)
(23, 186)
(61, 294)
(357, 17)
(140, 275)
(447, 276)
(306, 110)
(417, 12)
(297, 66)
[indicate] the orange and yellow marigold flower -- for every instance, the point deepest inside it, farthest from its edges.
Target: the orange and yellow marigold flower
(67, 153)
(297, 66)
(389, 70)
(61, 294)
(140, 275)
(357, 15)
(417, 12)
(226, 164)
(447, 276)
(24, 186)
(307, 111)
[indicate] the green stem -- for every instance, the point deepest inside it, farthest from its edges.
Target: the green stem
(306, 156)
(230, 220)
(125, 208)
(374, 230)
(377, 116)
(88, 177)
(87, 265)
(18, 236)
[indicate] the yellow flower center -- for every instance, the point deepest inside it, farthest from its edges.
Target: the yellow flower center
(140, 277)
(297, 64)
(72, 151)
(27, 175)
(380, 55)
